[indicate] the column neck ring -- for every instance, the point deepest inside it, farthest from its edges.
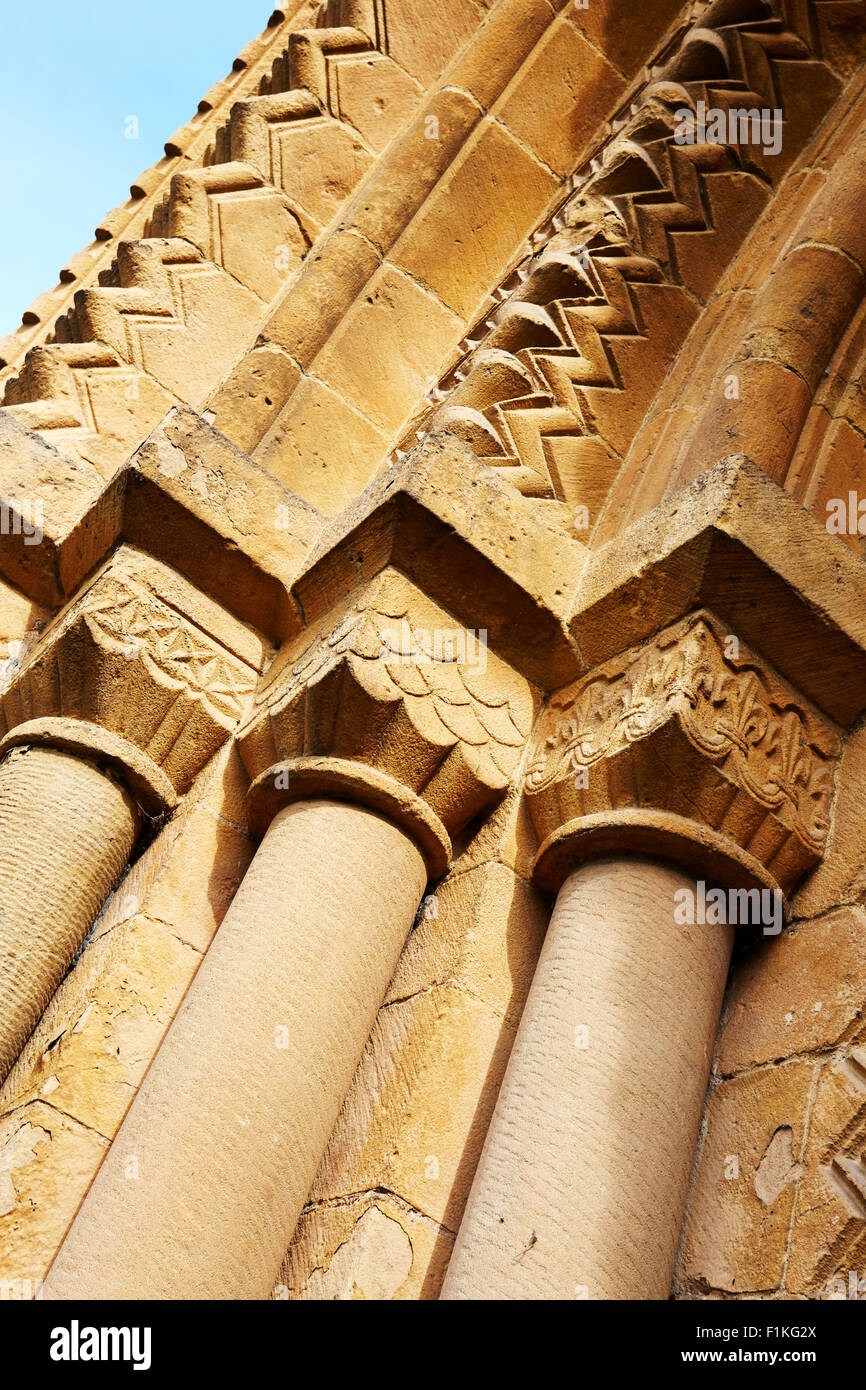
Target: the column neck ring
(343, 779)
(146, 781)
(704, 852)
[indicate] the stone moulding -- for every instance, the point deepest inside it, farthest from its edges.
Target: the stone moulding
(552, 382)
(706, 853)
(227, 237)
(186, 147)
(690, 725)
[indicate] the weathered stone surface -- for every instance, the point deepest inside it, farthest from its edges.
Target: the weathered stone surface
(97, 1037)
(828, 1240)
(200, 504)
(415, 1118)
(801, 993)
(47, 491)
(841, 877)
(20, 623)
(367, 1247)
(745, 1183)
(46, 1161)
(560, 96)
(81, 825)
(99, 1034)
(482, 929)
(322, 447)
(409, 332)
(458, 253)
(583, 1177)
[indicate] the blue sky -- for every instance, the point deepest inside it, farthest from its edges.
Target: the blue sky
(71, 71)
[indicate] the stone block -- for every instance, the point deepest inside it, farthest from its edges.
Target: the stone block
(462, 240)
(745, 1181)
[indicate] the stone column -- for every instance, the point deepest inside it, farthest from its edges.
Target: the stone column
(67, 828)
(582, 1183)
(204, 1184)
(356, 793)
(107, 719)
(677, 792)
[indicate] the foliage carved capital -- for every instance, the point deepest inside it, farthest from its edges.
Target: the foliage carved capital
(690, 725)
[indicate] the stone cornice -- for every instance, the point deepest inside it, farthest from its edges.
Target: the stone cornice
(188, 496)
(470, 542)
(192, 499)
(732, 541)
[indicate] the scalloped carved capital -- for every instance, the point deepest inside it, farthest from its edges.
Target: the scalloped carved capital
(690, 731)
(394, 688)
(141, 670)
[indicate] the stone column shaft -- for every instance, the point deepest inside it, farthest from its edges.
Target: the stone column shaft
(202, 1188)
(582, 1182)
(66, 832)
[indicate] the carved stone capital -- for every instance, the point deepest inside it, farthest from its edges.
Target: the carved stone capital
(687, 746)
(392, 703)
(736, 543)
(140, 672)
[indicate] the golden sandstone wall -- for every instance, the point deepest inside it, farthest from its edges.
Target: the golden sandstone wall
(431, 556)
